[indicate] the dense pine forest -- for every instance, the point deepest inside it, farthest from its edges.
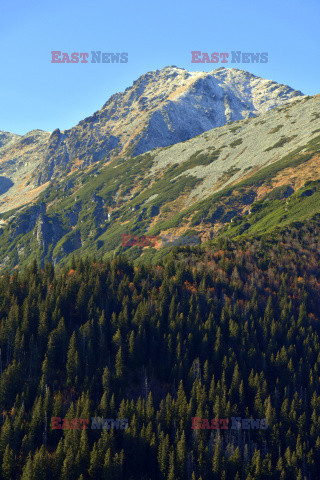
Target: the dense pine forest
(230, 330)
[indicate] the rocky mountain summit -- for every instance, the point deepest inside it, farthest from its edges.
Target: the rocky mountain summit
(161, 108)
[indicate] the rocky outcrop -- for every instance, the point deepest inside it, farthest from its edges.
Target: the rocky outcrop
(7, 138)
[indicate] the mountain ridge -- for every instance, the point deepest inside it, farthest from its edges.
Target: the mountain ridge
(247, 176)
(161, 108)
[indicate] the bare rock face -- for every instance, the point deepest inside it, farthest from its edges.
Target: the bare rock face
(161, 108)
(7, 138)
(21, 160)
(202, 101)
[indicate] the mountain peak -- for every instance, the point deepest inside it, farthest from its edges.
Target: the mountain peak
(161, 108)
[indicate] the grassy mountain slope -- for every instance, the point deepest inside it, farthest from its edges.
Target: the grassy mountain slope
(243, 178)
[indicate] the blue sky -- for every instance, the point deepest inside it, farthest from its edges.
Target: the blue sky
(34, 93)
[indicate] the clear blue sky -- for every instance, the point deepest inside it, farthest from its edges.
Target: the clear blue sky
(34, 93)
